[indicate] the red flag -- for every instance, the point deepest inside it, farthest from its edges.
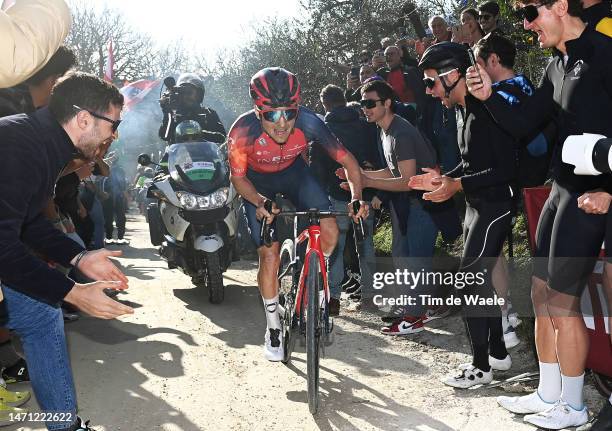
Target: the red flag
(135, 92)
(110, 63)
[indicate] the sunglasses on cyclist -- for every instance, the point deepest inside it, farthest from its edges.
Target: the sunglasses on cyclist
(275, 115)
(531, 11)
(114, 123)
(369, 103)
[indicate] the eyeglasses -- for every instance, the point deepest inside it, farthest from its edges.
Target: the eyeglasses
(429, 82)
(274, 115)
(485, 17)
(114, 123)
(531, 12)
(369, 103)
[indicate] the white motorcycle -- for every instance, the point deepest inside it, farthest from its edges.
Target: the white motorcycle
(194, 216)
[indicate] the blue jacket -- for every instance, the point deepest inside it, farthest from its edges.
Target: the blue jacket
(35, 149)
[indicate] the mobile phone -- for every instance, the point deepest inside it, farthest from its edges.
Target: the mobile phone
(355, 72)
(473, 62)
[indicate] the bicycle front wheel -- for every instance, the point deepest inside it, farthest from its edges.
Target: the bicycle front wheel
(313, 333)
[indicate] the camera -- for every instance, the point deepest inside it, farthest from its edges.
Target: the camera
(590, 154)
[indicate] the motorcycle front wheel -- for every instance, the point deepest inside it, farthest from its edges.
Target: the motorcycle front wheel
(214, 278)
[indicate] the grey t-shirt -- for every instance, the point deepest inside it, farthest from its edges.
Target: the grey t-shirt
(402, 141)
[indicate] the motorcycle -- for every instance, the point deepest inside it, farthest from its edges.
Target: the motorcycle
(194, 214)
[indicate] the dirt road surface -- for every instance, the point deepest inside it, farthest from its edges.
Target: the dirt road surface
(182, 364)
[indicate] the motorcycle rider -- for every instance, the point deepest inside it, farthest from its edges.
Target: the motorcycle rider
(189, 107)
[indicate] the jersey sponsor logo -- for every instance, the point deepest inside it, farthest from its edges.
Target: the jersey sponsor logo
(262, 142)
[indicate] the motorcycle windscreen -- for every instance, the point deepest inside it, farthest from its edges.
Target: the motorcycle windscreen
(199, 166)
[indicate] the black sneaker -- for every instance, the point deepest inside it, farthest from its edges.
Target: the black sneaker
(356, 296)
(334, 307)
(16, 373)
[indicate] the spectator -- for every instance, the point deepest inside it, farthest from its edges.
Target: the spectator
(405, 83)
(30, 33)
(115, 206)
(470, 31)
(345, 123)
(405, 153)
(364, 57)
(30, 287)
(485, 175)
(439, 29)
(488, 17)
(352, 93)
(579, 102)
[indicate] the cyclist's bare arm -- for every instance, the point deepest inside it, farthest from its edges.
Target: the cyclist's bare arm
(354, 179)
(245, 188)
(407, 169)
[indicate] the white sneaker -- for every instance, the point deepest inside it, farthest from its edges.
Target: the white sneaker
(496, 364)
(510, 338)
(273, 345)
(561, 415)
(122, 241)
(469, 377)
(526, 404)
(109, 241)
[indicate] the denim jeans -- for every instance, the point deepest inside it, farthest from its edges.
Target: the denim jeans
(414, 249)
(41, 328)
(365, 252)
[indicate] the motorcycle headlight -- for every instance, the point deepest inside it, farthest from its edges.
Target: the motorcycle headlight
(209, 202)
(188, 201)
(219, 198)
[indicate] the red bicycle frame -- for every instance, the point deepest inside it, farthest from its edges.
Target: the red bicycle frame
(313, 235)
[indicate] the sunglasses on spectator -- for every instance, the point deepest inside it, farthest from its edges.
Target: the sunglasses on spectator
(369, 103)
(114, 123)
(531, 11)
(274, 115)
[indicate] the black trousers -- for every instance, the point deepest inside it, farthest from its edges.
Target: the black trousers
(114, 211)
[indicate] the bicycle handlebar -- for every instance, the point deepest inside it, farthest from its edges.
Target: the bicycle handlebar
(266, 238)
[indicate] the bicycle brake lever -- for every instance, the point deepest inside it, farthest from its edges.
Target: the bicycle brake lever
(266, 238)
(358, 227)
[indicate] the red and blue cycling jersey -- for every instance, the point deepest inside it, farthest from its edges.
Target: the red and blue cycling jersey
(250, 147)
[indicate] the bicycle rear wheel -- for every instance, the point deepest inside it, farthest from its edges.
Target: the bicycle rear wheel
(313, 332)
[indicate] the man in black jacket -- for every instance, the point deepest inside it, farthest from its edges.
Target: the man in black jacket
(353, 132)
(191, 95)
(83, 115)
(576, 91)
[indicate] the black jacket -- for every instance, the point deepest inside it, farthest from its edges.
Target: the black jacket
(487, 167)
(578, 97)
(212, 128)
(35, 149)
(355, 135)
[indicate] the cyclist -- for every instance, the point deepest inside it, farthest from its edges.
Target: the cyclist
(266, 147)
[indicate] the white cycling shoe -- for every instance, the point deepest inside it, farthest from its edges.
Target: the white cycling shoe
(526, 404)
(496, 364)
(273, 345)
(561, 415)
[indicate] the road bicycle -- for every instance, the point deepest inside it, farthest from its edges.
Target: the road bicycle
(304, 292)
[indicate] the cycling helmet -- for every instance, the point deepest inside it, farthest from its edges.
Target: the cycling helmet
(193, 80)
(188, 131)
(445, 56)
(274, 87)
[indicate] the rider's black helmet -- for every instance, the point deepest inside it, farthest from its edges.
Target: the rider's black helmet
(445, 56)
(193, 80)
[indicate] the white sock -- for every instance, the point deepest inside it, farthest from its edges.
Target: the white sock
(549, 388)
(571, 391)
(271, 309)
